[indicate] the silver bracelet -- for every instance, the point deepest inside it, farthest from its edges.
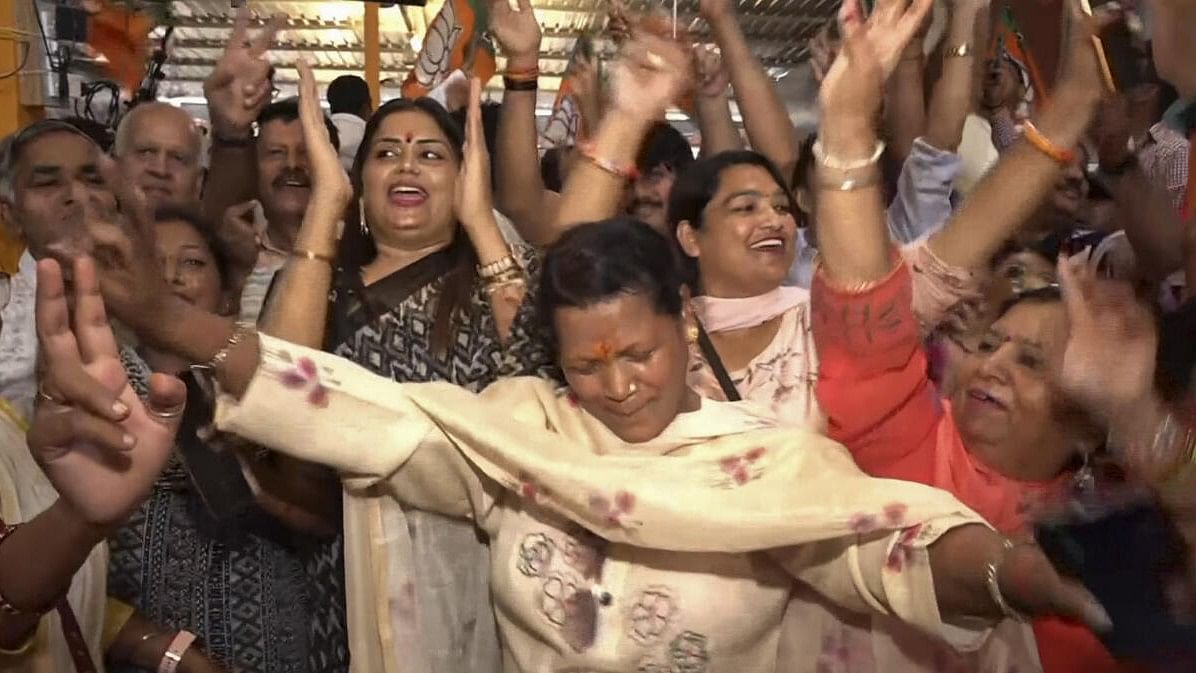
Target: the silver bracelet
(991, 570)
(838, 164)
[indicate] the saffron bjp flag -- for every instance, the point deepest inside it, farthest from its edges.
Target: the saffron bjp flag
(1008, 42)
(120, 34)
(661, 25)
(456, 40)
(566, 123)
(1034, 53)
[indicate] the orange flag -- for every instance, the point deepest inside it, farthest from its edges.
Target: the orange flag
(121, 35)
(455, 40)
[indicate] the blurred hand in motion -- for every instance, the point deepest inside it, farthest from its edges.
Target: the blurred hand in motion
(853, 87)
(99, 444)
(649, 75)
(1109, 360)
(1173, 47)
(710, 76)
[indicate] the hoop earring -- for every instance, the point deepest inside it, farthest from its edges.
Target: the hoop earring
(365, 228)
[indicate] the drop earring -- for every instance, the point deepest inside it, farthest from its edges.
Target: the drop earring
(1084, 480)
(692, 333)
(365, 228)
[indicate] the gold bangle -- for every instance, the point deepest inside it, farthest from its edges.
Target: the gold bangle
(503, 277)
(488, 271)
(960, 51)
(493, 288)
(300, 253)
(240, 331)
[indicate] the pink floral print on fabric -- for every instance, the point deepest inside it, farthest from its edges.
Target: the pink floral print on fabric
(742, 468)
(613, 513)
(903, 550)
(306, 377)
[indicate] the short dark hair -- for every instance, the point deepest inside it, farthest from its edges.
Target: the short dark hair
(287, 110)
(696, 186)
(1046, 294)
(348, 93)
(196, 221)
(597, 261)
(664, 146)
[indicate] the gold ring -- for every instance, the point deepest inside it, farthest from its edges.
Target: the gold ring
(43, 396)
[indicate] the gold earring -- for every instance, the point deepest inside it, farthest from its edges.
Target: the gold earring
(691, 334)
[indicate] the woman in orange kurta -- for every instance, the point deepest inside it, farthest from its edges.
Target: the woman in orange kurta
(1006, 438)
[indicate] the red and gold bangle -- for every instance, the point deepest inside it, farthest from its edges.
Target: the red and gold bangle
(626, 171)
(525, 75)
(1060, 155)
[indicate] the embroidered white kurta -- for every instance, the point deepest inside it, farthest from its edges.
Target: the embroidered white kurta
(679, 554)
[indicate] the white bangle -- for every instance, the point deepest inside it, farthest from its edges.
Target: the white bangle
(174, 654)
(838, 164)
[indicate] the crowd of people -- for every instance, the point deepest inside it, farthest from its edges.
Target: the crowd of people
(387, 391)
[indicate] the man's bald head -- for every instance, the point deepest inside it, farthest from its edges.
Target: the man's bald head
(158, 148)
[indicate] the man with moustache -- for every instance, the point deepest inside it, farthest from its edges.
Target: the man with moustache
(283, 189)
(158, 148)
(50, 184)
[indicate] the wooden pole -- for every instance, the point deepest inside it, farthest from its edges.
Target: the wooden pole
(16, 110)
(373, 60)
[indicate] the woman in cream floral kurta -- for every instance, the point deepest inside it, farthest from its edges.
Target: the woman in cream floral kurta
(678, 554)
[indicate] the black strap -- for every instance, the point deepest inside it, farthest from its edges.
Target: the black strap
(716, 363)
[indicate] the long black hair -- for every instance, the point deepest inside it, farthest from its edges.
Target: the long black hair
(358, 248)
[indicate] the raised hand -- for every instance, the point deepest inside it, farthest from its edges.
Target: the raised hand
(1109, 361)
(516, 30)
(237, 236)
(854, 85)
(130, 279)
(1080, 67)
(824, 48)
(649, 75)
(329, 181)
(238, 87)
(716, 10)
(709, 74)
(98, 443)
(474, 204)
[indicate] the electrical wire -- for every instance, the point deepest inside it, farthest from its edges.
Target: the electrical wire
(21, 65)
(85, 105)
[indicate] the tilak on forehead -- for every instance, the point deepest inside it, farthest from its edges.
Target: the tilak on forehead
(603, 350)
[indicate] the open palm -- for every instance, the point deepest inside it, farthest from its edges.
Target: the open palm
(238, 87)
(78, 438)
(871, 50)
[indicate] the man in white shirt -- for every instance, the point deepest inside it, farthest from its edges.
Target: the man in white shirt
(350, 104)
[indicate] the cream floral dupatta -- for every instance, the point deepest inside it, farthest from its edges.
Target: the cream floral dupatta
(722, 479)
